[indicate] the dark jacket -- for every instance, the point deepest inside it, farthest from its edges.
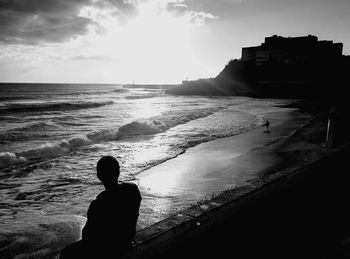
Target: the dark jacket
(112, 217)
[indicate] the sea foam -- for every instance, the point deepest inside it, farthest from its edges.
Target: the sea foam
(140, 127)
(8, 158)
(55, 149)
(153, 125)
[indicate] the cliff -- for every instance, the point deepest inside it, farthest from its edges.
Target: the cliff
(305, 80)
(237, 78)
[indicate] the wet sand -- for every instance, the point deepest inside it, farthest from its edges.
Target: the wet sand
(210, 168)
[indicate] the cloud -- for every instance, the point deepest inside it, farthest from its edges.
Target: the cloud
(200, 18)
(177, 7)
(54, 21)
(36, 22)
(181, 9)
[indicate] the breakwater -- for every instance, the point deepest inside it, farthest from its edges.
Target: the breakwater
(298, 212)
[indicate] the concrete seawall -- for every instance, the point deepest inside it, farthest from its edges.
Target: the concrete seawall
(299, 212)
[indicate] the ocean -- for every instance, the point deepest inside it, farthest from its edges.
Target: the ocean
(52, 135)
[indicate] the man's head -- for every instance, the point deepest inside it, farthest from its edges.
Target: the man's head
(108, 170)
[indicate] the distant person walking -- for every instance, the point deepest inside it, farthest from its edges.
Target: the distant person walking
(267, 124)
(111, 217)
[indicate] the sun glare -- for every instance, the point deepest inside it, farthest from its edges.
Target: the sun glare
(153, 46)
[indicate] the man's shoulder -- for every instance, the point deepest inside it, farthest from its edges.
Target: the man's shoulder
(130, 187)
(127, 184)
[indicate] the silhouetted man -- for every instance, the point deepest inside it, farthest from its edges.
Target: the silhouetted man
(111, 217)
(267, 124)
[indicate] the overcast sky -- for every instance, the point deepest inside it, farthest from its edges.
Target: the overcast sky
(150, 41)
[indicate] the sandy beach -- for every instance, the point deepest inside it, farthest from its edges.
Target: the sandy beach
(210, 168)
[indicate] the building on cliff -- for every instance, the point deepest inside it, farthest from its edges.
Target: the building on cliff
(292, 51)
(281, 67)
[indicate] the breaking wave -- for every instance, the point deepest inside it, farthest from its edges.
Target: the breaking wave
(40, 107)
(55, 149)
(152, 125)
(8, 158)
(139, 127)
